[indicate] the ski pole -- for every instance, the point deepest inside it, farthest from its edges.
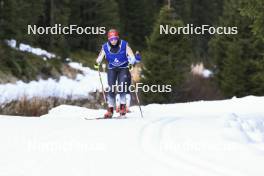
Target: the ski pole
(100, 77)
(139, 104)
(138, 101)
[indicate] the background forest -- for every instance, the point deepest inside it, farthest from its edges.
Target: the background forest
(236, 61)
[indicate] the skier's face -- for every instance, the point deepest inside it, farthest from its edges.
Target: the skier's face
(113, 41)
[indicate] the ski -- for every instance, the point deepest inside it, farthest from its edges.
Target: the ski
(102, 118)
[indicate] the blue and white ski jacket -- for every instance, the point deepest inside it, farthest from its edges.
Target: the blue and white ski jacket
(118, 59)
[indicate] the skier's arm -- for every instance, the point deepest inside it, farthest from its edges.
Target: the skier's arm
(132, 59)
(100, 57)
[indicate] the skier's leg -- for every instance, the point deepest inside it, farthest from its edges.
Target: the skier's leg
(111, 79)
(128, 94)
(128, 100)
(123, 82)
(117, 102)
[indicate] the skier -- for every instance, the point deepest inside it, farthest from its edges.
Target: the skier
(118, 55)
(128, 95)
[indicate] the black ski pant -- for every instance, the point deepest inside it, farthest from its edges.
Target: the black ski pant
(122, 77)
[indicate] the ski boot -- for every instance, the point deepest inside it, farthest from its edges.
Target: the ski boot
(122, 110)
(117, 109)
(109, 113)
(127, 110)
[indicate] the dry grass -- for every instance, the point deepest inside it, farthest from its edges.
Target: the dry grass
(37, 106)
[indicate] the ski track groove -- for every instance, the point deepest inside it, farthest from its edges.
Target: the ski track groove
(173, 160)
(199, 163)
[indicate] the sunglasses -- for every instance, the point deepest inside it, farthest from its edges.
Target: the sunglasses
(113, 39)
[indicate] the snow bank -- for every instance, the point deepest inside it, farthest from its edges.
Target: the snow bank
(27, 48)
(79, 88)
(85, 70)
(63, 88)
(37, 51)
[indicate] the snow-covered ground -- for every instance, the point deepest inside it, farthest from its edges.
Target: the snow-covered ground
(27, 48)
(214, 138)
(79, 88)
(63, 88)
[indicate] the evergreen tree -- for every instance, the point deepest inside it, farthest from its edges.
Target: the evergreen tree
(199, 12)
(135, 21)
(54, 12)
(98, 13)
(166, 61)
(16, 15)
(255, 10)
(183, 9)
(238, 58)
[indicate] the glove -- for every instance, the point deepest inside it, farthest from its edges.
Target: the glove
(96, 66)
(138, 57)
(130, 67)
